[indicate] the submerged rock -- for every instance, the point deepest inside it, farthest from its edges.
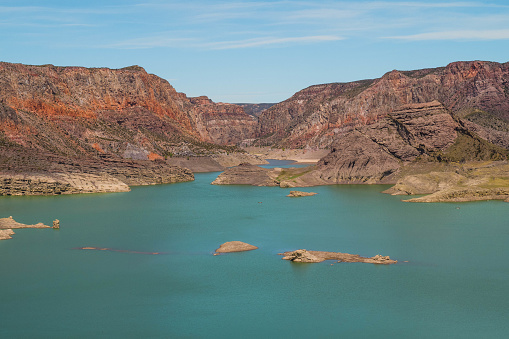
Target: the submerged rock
(235, 246)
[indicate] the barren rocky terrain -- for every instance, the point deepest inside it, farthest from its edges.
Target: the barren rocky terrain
(79, 130)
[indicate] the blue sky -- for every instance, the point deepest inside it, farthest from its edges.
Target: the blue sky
(254, 51)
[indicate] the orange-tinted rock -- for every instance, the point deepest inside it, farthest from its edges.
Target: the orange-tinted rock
(83, 93)
(153, 156)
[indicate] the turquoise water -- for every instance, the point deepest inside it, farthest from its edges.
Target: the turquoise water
(454, 285)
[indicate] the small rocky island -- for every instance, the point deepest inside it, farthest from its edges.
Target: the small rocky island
(298, 194)
(319, 256)
(7, 224)
(235, 246)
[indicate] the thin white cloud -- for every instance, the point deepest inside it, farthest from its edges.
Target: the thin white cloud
(257, 42)
(424, 4)
(150, 42)
(162, 41)
(497, 34)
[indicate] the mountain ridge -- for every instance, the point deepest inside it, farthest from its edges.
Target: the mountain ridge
(317, 114)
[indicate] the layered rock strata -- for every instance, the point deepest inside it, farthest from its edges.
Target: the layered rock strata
(114, 95)
(424, 139)
(30, 173)
(419, 132)
(77, 130)
(318, 114)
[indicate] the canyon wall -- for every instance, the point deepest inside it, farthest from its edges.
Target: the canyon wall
(319, 114)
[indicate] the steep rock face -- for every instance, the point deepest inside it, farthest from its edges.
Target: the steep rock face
(221, 123)
(101, 105)
(80, 130)
(375, 153)
(316, 115)
(82, 92)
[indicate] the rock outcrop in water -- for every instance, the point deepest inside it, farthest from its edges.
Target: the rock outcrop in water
(235, 246)
(305, 256)
(298, 194)
(247, 174)
(8, 224)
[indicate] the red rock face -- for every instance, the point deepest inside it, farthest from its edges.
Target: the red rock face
(56, 93)
(316, 115)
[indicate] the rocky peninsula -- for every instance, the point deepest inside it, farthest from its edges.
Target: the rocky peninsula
(247, 174)
(472, 181)
(8, 224)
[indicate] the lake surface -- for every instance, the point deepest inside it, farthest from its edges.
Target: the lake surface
(454, 285)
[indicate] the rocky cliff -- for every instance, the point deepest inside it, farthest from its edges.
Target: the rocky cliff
(127, 112)
(412, 139)
(425, 132)
(318, 114)
(221, 123)
(77, 130)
